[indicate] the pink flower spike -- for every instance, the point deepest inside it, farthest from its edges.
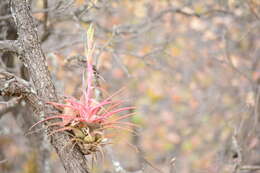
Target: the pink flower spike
(89, 81)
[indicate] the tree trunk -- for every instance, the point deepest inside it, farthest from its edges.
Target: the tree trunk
(34, 60)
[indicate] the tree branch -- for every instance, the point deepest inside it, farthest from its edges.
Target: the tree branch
(7, 106)
(9, 45)
(11, 85)
(33, 58)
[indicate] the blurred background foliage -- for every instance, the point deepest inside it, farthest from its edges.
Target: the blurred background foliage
(191, 67)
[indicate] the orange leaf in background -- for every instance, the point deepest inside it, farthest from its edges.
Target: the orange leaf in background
(146, 49)
(193, 103)
(176, 98)
(256, 75)
(79, 2)
(118, 73)
(175, 51)
(114, 20)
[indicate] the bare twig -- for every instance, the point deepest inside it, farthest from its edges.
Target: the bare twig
(45, 16)
(172, 165)
(250, 167)
(3, 161)
(229, 60)
(133, 29)
(118, 168)
(238, 151)
(46, 28)
(63, 46)
(46, 10)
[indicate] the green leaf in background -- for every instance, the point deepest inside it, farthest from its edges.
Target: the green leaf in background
(137, 119)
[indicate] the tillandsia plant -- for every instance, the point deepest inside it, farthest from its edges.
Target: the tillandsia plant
(87, 119)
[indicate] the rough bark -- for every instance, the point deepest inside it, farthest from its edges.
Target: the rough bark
(34, 60)
(22, 113)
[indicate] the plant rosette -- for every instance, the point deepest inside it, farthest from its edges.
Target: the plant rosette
(87, 119)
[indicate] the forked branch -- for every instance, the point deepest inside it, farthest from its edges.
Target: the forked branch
(9, 45)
